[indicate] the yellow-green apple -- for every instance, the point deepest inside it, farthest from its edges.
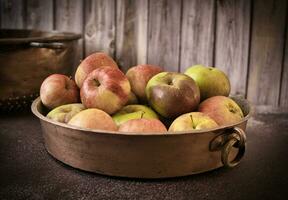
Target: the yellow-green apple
(57, 90)
(132, 99)
(65, 112)
(211, 81)
(90, 63)
(172, 94)
(105, 88)
(192, 121)
(222, 109)
(93, 118)
(133, 112)
(139, 76)
(143, 126)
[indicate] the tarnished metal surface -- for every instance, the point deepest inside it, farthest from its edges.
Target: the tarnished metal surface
(27, 58)
(144, 156)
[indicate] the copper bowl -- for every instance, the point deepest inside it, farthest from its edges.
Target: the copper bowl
(27, 57)
(145, 156)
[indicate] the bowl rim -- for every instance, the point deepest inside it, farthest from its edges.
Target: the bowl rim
(53, 36)
(37, 101)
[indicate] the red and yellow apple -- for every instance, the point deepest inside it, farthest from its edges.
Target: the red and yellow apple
(65, 112)
(172, 94)
(105, 88)
(192, 121)
(91, 63)
(133, 112)
(222, 109)
(93, 118)
(142, 126)
(57, 90)
(211, 81)
(139, 76)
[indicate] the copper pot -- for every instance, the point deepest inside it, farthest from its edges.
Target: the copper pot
(144, 156)
(27, 57)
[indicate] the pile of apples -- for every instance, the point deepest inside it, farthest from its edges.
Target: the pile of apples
(141, 101)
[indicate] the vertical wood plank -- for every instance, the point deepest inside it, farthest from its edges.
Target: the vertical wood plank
(266, 51)
(197, 39)
(232, 41)
(39, 14)
(12, 14)
(164, 33)
(131, 37)
(100, 26)
(69, 17)
(284, 83)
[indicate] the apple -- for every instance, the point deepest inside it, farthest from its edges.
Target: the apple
(192, 121)
(132, 99)
(57, 90)
(172, 94)
(105, 88)
(65, 112)
(133, 112)
(93, 118)
(142, 126)
(222, 109)
(139, 76)
(211, 81)
(91, 63)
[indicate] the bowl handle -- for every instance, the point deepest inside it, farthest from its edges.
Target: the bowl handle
(49, 45)
(236, 139)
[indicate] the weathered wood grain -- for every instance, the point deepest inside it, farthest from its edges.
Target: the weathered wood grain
(284, 84)
(100, 26)
(39, 14)
(164, 33)
(131, 33)
(69, 17)
(197, 39)
(266, 51)
(12, 14)
(232, 41)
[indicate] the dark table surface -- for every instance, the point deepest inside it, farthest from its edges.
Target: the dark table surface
(27, 171)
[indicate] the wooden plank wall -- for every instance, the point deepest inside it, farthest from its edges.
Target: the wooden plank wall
(248, 39)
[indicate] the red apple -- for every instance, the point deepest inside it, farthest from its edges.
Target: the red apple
(93, 119)
(222, 109)
(139, 76)
(143, 126)
(57, 90)
(105, 88)
(172, 94)
(90, 63)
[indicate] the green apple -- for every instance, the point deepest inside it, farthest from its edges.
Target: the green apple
(143, 126)
(192, 121)
(133, 112)
(211, 81)
(65, 112)
(222, 109)
(172, 94)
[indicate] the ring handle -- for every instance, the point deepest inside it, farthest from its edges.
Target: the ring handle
(236, 139)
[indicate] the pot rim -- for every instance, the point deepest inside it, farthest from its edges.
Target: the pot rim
(52, 36)
(36, 112)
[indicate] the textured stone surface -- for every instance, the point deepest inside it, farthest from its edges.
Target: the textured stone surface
(27, 171)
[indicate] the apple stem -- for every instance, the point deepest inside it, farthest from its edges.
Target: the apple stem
(142, 114)
(191, 117)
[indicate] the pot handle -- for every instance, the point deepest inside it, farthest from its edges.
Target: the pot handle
(236, 139)
(49, 45)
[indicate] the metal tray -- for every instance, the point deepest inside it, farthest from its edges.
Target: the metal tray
(145, 156)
